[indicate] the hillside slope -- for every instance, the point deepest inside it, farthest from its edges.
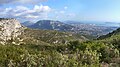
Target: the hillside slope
(112, 38)
(50, 48)
(111, 34)
(50, 36)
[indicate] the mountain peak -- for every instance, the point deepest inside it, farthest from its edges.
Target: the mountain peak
(51, 25)
(27, 23)
(48, 21)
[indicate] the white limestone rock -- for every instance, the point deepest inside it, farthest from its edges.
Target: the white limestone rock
(9, 29)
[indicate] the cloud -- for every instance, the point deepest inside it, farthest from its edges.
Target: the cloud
(71, 15)
(22, 12)
(35, 13)
(65, 7)
(21, 1)
(63, 15)
(62, 12)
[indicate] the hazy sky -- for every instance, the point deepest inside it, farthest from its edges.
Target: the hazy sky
(79, 10)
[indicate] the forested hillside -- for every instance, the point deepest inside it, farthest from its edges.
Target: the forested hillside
(95, 53)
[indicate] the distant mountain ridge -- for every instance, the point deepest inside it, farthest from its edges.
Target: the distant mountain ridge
(72, 26)
(52, 25)
(27, 23)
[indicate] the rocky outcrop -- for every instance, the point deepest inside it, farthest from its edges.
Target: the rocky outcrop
(9, 29)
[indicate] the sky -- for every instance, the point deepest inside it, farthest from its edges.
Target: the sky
(77, 10)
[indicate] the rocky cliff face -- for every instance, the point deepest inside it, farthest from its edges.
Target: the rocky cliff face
(9, 29)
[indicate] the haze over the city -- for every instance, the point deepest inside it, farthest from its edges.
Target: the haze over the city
(77, 10)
